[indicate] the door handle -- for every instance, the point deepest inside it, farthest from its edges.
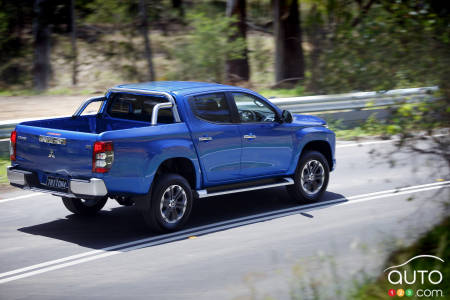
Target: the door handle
(249, 136)
(205, 138)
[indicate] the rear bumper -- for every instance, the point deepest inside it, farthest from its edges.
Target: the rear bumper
(78, 188)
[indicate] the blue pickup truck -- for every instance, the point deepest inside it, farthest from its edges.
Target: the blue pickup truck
(160, 145)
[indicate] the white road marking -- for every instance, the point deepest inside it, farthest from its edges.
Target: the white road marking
(377, 142)
(130, 246)
(365, 143)
(21, 197)
(393, 194)
(398, 190)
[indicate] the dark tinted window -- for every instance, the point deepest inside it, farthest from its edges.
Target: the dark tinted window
(138, 107)
(211, 107)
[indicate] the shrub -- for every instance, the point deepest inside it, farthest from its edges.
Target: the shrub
(201, 55)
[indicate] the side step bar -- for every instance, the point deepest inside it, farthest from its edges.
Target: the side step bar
(285, 181)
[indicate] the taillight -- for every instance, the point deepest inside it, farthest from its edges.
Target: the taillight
(103, 157)
(12, 146)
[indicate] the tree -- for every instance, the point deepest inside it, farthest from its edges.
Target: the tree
(41, 33)
(178, 5)
(238, 69)
(289, 59)
(202, 53)
(73, 42)
(144, 31)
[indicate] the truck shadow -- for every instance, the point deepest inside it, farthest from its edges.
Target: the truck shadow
(120, 225)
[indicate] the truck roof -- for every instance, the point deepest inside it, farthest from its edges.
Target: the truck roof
(178, 87)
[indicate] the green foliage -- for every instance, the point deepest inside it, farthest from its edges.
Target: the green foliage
(4, 22)
(409, 118)
(260, 55)
(372, 126)
(4, 162)
(393, 44)
(390, 44)
(280, 93)
(356, 132)
(13, 48)
(202, 53)
(405, 120)
(111, 11)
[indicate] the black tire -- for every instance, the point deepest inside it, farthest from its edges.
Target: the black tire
(305, 192)
(170, 204)
(84, 207)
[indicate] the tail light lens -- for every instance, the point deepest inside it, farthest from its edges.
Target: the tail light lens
(12, 146)
(103, 157)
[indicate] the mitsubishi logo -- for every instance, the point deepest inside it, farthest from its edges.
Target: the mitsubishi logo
(51, 154)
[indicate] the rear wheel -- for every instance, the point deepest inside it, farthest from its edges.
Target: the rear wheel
(84, 207)
(169, 205)
(311, 177)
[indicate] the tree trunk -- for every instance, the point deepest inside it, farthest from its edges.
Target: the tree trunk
(144, 31)
(316, 36)
(178, 5)
(42, 34)
(238, 69)
(74, 42)
(289, 59)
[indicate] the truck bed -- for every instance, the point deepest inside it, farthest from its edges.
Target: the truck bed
(73, 156)
(87, 124)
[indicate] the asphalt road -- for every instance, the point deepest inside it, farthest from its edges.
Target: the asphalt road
(241, 246)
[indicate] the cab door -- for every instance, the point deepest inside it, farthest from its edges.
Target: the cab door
(267, 145)
(216, 138)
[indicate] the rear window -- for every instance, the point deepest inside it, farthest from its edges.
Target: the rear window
(138, 107)
(211, 107)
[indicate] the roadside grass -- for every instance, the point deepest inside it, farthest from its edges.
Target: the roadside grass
(360, 132)
(49, 92)
(19, 92)
(355, 133)
(370, 128)
(435, 242)
(282, 93)
(268, 93)
(4, 162)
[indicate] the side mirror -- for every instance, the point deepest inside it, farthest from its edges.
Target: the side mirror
(286, 117)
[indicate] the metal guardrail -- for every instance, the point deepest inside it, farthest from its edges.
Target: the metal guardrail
(319, 104)
(355, 101)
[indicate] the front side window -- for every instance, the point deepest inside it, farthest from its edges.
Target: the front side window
(138, 107)
(251, 109)
(211, 107)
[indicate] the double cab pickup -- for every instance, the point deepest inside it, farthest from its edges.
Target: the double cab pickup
(161, 145)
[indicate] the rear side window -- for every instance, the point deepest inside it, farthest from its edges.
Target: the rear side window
(211, 107)
(138, 107)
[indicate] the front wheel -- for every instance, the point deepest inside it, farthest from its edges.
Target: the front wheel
(84, 207)
(310, 178)
(170, 203)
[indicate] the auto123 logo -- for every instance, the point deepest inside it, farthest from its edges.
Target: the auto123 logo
(404, 278)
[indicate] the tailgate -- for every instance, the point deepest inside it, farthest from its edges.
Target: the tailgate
(62, 152)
